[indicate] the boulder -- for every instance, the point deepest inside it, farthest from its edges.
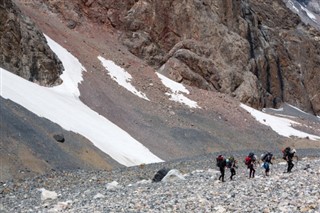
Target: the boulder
(59, 138)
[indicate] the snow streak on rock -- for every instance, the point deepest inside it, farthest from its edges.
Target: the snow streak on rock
(176, 90)
(121, 76)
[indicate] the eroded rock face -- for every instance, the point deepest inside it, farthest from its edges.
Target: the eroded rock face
(257, 51)
(23, 48)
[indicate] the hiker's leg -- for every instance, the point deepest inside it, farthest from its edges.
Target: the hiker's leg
(251, 171)
(292, 165)
(222, 174)
(233, 172)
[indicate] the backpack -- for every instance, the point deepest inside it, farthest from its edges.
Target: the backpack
(230, 161)
(267, 157)
(286, 152)
(220, 159)
(247, 160)
(292, 153)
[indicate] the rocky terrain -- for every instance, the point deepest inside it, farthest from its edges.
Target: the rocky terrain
(195, 189)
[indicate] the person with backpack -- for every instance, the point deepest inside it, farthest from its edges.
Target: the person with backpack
(221, 163)
(250, 161)
(266, 159)
(231, 164)
(288, 155)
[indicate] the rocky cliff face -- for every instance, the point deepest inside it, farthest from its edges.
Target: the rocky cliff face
(23, 48)
(257, 51)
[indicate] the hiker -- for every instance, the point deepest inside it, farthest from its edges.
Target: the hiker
(231, 164)
(221, 163)
(250, 161)
(288, 155)
(266, 159)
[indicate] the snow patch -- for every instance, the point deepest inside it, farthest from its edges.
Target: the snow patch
(122, 77)
(292, 5)
(310, 14)
(280, 125)
(72, 75)
(176, 90)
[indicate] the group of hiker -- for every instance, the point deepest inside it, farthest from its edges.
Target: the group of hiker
(251, 160)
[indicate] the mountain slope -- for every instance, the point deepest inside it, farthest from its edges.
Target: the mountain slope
(257, 51)
(169, 129)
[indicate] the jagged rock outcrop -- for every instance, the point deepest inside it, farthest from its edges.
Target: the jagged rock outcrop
(23, 48)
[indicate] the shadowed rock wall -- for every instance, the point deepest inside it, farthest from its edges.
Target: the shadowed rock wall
(24, 50)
